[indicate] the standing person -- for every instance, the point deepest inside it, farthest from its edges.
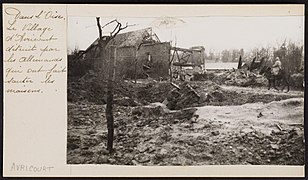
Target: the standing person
(276, 67)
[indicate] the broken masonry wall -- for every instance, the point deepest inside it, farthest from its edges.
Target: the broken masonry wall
(126, 65)
(126, 59)
(159, 58)
(156, 56)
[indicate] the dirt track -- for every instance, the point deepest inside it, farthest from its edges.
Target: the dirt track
(217, 133)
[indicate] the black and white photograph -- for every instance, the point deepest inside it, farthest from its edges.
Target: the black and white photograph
(185, 91)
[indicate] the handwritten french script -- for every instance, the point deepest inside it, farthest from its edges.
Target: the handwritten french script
(33, 57)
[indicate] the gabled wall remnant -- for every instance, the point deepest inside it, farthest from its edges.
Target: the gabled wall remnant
(134, 51)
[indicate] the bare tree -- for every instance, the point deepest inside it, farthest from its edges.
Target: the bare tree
(117, 29)
(111, 74)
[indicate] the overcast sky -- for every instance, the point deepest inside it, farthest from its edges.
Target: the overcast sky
(216, 33)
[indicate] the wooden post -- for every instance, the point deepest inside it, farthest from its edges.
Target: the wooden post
(239, 65)
(109, 107)
(136, 56)
(170, 64)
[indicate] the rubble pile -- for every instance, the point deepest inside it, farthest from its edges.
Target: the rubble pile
(137, 133)
(199, 77)
(196, 94)
(152, 92)
(173, 138)
(297, 80)
(182, 97)
(193, 94)
(280, 147)
(238, 77)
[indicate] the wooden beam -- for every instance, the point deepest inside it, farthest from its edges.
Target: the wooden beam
(183, 49)
(172, 58)
(186, 56)
(177, 55)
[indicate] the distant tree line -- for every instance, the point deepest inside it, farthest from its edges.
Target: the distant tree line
(290, 53)
(227, 55)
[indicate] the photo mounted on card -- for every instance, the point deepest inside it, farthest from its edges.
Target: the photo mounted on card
(153, 90)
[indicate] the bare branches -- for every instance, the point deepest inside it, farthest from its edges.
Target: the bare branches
(109, 23)
(119, 27)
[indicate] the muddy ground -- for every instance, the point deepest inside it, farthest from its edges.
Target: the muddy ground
(220, 125)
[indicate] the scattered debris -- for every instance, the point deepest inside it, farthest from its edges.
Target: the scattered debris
(153, 109)
(156, 124)
(297, 80)
(279, 127)
(215, 133)
(274, 146)
(260, 115)
(176, 86)
(238, 77)
(247, 130)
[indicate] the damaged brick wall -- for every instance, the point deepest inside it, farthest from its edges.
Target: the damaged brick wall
(159, 59)
(155, 56)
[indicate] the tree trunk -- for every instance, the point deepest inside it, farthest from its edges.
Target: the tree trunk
(99, 28)
(111, 65)
(109, 115)
(109, 107)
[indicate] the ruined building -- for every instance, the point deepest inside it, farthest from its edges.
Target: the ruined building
(139, 54)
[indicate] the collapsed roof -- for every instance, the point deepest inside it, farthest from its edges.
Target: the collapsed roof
(132, 38)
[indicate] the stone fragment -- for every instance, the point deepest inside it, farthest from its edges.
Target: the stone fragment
(215, 133)
(246, 130)
(274, 146)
